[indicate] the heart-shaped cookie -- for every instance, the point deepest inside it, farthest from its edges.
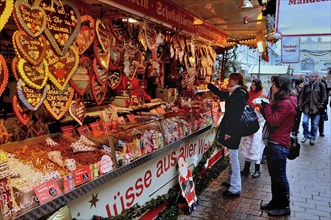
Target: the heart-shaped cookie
(31, 49)
(101, 74)
(3, 74)
(114, 78)
(117, 28)
(103, 58)
(115, 57)
(80, 80)
(31, 19)
(151, 35)
(77, 111)
(6, 8)
(63, 23)
(98, 90)
(57, 101)
(21, 111)
(34, 76)
(103, 35)
(86, 34)
(30, 97)
(62, 68)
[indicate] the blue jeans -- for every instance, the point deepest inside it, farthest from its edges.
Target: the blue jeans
(234, 172)
(315, 119)
(276, 159)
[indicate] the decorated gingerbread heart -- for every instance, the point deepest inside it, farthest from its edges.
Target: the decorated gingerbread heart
(31, 98)
(80, 80)
(63, 23)
(103, 35)
(101, 74)
(98, 90)
(21, 111)
(114, 78)
(3, 74)
(151, 35)
(31, 49)
(103, 58)
(115, 57)
(31, 19)
(57, 102)
(86, 34)
(117, 28)
(6, 8)
(77, 111)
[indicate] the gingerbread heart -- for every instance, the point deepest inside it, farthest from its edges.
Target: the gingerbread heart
(117, 28)
(31, 19)
(98, 90)
(80, 80)
(114, 78)
(6, 8)
(62, 68)
(30, 97)
(103, 35)
(31, 49)
(77, 111)
(57, 102)
(86, 34)
(103, 58)
(34, 76)
(3, 74)
(115, 57)
(101, 74)
(151, 35)
(20, 111)
(63, 23)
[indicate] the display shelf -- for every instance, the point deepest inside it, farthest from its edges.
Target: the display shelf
(43, 210)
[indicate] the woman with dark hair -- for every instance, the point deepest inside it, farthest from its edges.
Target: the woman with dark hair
(228, 133)
(252, 147)
(279, 115)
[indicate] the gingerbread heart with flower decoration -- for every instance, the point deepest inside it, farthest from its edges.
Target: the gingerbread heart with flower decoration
(80, 80)
(6, 8)
(103, 58)
(34, 76)
(101, 74)
(115, 57)
(86, 34)
(31, 98)
(117, 28)
(103, 35)
(98, 90)
(57, 102)
(3, 74)
(114, 78)
(31, 19)
(20, 111)
(63, 23)
(61, 68)
(77, 111)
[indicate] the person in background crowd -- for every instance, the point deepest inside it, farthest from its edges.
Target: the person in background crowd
(324, 112)
(252, 147)
(298, 87)
(228, 133)
(279, 115)
(311, 103)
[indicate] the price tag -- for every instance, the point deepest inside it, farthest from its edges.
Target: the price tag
(68, 130)
(106, 164)
(47, 191)
(82, 175)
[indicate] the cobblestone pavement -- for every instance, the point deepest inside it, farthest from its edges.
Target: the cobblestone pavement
(309, 176)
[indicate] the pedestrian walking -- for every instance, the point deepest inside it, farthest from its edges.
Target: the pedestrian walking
(251, 147)
(228, 133)
(298, 87)
(279, 114)
(324, 114)
(311, 103)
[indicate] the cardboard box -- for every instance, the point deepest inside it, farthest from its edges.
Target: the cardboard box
(166, 94)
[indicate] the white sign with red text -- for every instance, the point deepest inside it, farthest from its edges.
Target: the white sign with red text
(290, 49)
(142, 183)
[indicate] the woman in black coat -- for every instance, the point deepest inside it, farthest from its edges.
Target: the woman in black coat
(228, 133)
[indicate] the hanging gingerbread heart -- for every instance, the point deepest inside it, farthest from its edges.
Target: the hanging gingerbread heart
(86, 34)
(31, 98)
(103, 58)
(14, 68)
(77, 111)
(151, 35)
(21, 111)
(31, 19)
(31, 49)
(101, 74)
(80, 80)
(62, 68)
(57, 102)
(114, 78)
(34, 76)
(103, 35)
(115, 57)
(98, 90)
(6, 8)
(63, 23)
(3, 74)
(117, 28)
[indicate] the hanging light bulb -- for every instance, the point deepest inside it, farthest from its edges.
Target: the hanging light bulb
(246, 4)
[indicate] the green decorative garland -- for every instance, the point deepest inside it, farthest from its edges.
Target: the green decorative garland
(201, 176)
